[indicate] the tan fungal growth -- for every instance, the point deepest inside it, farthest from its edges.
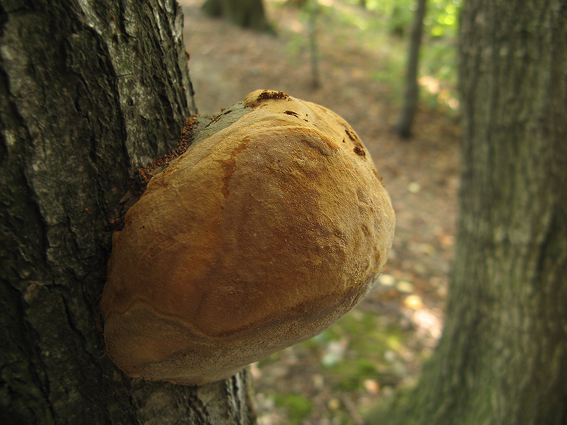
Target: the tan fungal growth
(258, 237)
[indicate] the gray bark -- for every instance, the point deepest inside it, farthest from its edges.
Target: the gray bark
(89, 92)
(503, 355)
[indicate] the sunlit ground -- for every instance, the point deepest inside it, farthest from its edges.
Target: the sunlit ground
(380, 345)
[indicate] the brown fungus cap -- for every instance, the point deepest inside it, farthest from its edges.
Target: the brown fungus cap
(259, 237)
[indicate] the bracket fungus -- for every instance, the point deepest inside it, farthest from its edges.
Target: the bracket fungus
(260, 236)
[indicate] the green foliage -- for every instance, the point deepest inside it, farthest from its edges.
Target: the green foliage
(441, 19)
(298, 407)
(383, 31)
(390, 72)
(353, 349)
(439, 74)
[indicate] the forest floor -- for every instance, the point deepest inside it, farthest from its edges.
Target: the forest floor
(332, 379)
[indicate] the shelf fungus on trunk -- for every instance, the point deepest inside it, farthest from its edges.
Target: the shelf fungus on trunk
(258, 237)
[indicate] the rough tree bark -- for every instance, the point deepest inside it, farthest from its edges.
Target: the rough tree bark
(244, 13)
(503, 355)
(89, 92)
(411, 97)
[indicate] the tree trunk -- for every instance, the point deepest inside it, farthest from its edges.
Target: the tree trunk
(89, 92)
(313, 10)
(411, 97)
(244, 13)
(503, 355)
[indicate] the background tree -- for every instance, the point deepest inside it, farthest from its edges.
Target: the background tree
(503, 355)
(313, 10)
(89, 92)
(411, 96)
(244, 13)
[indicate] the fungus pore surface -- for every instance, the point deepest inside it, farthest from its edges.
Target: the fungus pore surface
(259, 237)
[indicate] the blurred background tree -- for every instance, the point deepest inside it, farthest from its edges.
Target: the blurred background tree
(411, 97)
(503, 354)
(244, 13)
(313, 10)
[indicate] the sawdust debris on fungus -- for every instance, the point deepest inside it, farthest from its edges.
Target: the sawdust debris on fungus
(272, 95)
(146, 174)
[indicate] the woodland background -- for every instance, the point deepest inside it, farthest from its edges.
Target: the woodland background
(362, 50)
